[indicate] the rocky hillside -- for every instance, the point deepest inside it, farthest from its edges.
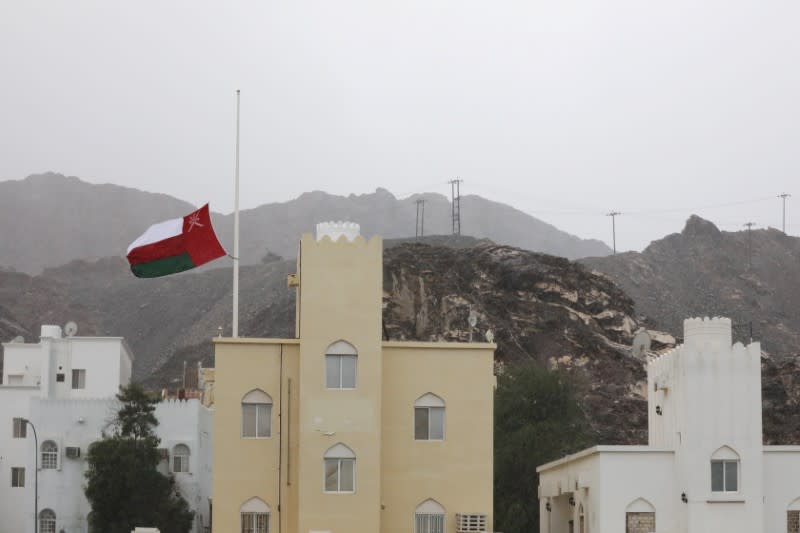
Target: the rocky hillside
(538, 307)
(67, 219)
(703, 271)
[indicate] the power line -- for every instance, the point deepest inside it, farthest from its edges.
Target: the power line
(613, 215)
(455, 194)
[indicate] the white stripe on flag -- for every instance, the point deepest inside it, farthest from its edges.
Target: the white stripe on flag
(159, 232)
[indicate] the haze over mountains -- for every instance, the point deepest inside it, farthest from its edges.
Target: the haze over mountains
(52, 219)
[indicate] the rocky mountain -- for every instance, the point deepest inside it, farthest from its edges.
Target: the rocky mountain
(539, 307)
(753, 278)
(66, 219)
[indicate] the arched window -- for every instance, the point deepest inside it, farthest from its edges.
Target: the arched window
(429, 418)
(49, 455)
(640, 515)
(180, 458)
(340, 469)
(47, 521)
(340, 365)
(254, 516)
(429, 517)
(256, 415)
(725, 470)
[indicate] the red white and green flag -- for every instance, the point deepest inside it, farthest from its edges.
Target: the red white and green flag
(175, 245)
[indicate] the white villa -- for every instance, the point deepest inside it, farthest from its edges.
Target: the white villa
(66, 387)
(705, 468)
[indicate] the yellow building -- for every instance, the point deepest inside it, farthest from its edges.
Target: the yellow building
(340, 431)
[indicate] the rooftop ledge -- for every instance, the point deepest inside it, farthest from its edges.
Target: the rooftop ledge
(596, 450)
(385, 344)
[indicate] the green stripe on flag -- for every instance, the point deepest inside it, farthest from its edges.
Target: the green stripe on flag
(163, 267)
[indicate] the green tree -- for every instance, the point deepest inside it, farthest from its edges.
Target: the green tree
(537, 420)
(124, 487)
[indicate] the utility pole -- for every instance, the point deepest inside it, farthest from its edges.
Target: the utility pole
(749, 226)
(613, 215)
(455, 194)
(784, 196)
(419, 231)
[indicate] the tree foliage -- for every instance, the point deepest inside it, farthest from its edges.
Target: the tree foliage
(124, 487)
(537, 420)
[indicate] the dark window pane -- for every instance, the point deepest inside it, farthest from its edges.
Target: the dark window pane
(346, 475)
(332, 372)
(421, 423)
(249, 413)
(331, 475)
(348, 371)
(731, 476)
(716, 476)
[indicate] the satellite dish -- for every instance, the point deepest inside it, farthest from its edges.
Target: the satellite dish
(19, 339)
(489, 335)
(70, 329)
(641, 343)
(473, 318)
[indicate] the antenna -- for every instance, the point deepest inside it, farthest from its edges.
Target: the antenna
(419, 231)
(613, 215)
(70, 329)
(455, 194)
(784, 196)
(749, 226)
(641, 344)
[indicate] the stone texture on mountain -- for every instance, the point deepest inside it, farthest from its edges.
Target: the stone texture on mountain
(703, 271)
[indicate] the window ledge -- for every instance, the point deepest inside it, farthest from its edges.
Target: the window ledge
(725, 500)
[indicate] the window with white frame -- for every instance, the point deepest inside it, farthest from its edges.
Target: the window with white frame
(49, 455)
(20, 428)
(341, 359)
(340, 469)
(256, 415)
(429, 418)
(78, 378)
(17, 476)
(725, 470)
(254, 515)
(180, 458)
(47, 521)
(429, 517)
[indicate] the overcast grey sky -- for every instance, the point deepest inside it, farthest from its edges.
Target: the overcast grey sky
(563, 109)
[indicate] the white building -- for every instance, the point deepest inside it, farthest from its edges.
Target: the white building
(705, 468)
(66, 387)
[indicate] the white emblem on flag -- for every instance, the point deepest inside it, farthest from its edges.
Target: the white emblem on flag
(194, 220)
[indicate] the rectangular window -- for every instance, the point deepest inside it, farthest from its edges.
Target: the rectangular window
(340, 475)
(724, 476)
(17, 476)
(340, 371)
(78, 378)
(60, 378)
(428, 523)
(20, 428)
(429, 423)
(180, 463)
(256, 420)
(255, 522)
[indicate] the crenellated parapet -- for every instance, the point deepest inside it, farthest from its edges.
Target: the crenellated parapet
(716, 331)
(336, 230)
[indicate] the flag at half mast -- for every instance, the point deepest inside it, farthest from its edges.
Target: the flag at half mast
(175, 245)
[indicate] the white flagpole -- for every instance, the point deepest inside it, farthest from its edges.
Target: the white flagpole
(236, 231)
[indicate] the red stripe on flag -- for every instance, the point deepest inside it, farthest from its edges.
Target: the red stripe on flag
(200, 240)
(158, 250)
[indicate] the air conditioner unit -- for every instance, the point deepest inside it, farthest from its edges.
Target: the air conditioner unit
(470, 523)
(73, 452)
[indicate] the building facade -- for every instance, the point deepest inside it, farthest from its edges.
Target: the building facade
(66, 387)
(341, 431)
(705, 467)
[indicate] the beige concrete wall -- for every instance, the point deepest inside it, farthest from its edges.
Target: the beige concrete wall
(246, 468)
(456, 472)
(340, 299)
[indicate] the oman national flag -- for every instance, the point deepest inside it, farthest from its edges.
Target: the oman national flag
(175, 245)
